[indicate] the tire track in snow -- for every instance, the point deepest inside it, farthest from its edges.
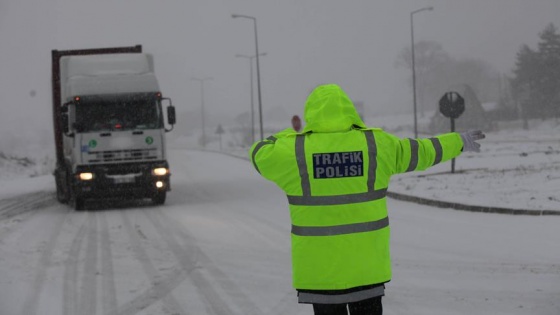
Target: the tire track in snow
(161, 289)
(184, 253)
(185, 256)
(88, 290)
(264, 230)
(31, 303)
(107, 271)
(80, 297)
(12, 207)
(71, 267)
(21, 209)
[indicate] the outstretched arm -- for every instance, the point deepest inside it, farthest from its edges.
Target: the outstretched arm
(421, 154)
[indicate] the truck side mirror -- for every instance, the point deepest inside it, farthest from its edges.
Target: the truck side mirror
(64, 123)
(171, 115)
(64, 119)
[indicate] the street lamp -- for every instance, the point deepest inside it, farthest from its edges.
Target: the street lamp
(202, 105)
(251, 80)
(413, 65)
(258, 69)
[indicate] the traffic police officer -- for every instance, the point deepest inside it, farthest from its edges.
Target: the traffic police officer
(335, 174)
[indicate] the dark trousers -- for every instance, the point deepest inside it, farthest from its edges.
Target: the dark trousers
(365, 307)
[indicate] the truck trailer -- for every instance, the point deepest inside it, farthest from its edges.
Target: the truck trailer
(109, 126)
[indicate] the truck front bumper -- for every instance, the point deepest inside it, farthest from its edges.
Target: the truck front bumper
(127, 180)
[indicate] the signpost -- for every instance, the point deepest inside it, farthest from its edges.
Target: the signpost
(452, 105)
(219, 132)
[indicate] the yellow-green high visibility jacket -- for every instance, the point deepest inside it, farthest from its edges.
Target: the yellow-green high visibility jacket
(335, 174)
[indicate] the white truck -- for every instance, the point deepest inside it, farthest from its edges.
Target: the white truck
(109, 126)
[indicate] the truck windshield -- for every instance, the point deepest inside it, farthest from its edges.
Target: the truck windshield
(114, 115)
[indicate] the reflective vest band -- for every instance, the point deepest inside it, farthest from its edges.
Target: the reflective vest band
(302, 165)
(439, 151)
(340, 229)
(337, 199)
(258, 147)
(306, 297)
(372, 154)
(413, 155)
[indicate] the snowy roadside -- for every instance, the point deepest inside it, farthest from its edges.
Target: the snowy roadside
(516, 169)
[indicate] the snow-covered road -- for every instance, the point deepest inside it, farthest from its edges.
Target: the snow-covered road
(220, 245)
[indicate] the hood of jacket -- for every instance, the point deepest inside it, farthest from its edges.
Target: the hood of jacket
(329, 109)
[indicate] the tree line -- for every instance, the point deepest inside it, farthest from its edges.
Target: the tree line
(437, 72)
(532, 91)
(536, 81)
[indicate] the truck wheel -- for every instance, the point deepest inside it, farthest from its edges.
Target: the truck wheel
(61, 194)
(61, 187)
(78, 203)
(159, 197)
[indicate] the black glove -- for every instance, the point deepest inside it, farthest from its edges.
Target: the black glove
(469, 139)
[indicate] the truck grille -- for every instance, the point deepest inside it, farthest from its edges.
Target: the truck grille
(122, 155)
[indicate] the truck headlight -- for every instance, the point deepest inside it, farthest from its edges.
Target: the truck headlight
(160, 171)
(85, 176)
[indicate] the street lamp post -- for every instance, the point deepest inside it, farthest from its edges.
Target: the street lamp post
(202, 106)
(251, 80)
(258, 68)
(413, 65)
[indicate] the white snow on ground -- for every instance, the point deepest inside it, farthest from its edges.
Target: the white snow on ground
(220, 245)
(515, 169)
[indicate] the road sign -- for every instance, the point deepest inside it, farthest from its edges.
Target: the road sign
(452, 105)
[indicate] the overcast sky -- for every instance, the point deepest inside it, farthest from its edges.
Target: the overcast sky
(308, 42)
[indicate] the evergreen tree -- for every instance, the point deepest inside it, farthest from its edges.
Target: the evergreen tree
(536, 84)
(549, 62)
(525, 81)
(437, 72)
